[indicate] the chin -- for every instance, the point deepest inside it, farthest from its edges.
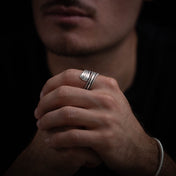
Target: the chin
(71, 50)
(77, 43)
(70, 47)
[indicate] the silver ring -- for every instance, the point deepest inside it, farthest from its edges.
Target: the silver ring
(85, 75)
(89, 77)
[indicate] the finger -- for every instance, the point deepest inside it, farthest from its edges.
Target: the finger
(71, 77)
(73, 138)
(65, 96)
(70, 117)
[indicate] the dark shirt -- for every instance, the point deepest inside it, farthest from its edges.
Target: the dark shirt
(152, 95)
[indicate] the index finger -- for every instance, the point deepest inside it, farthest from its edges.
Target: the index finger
(71, 77)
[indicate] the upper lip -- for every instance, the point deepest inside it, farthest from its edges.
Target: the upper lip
(65, 11)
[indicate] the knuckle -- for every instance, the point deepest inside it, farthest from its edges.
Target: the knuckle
(61, 91)
(107, 100)
(69, 71)
(112, 83)
(67, 74)
(67, 114)
(65, 111)
(107, 119)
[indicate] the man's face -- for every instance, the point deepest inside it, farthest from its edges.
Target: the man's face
(74, 27)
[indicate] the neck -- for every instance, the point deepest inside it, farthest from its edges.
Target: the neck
(118, 62)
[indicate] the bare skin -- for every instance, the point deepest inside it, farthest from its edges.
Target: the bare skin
(39, 159)
(99, 119)
(79, 127)
(117, 63)
(109, 126)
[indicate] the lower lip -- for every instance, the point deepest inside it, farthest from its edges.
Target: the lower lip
(67, 19)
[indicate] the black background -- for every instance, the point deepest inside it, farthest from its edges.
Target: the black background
(16, 16)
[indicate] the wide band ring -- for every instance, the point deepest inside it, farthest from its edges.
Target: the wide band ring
(89, 77)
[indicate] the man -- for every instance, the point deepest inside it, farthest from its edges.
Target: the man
(81, 130)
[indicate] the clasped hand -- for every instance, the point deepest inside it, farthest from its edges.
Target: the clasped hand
(99, 122)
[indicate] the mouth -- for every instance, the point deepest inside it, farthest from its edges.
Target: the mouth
(67, 14)
(66, 11)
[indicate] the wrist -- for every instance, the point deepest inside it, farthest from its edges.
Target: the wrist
(156, 158)
(148, 158)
